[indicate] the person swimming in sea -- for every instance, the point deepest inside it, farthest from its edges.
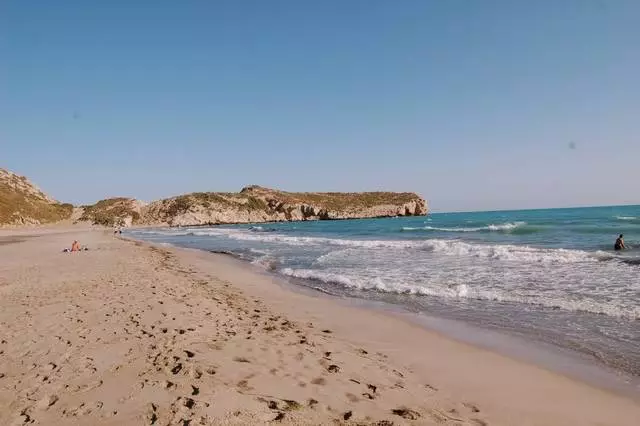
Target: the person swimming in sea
(619, 245)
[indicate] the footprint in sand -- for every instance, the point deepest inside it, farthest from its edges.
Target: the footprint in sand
(176, 368)
(243, 385)
(333, 368)
(472, 407)
(152, 416)
(406, 413)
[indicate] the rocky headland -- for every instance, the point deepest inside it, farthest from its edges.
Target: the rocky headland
(22, 203)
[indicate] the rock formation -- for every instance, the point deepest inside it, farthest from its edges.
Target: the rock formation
(255, 204)
(23, 203)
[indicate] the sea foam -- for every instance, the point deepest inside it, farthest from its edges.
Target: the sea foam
(509, 226)
(464, 291)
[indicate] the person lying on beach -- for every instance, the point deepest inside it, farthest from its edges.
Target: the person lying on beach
(68, 250)
(619, 245)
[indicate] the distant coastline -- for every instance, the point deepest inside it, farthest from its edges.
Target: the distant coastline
(23, 203)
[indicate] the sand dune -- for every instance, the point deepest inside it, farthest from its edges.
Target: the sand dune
(126, 333)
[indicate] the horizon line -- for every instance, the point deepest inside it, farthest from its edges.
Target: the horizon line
(535, 208)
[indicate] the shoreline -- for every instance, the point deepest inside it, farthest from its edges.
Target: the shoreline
(93, 338)
(557, 359)
(544, 287)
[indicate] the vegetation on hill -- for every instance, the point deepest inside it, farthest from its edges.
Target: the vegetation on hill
(21, 202)
(112, 212)
(338, 201)
(220, 200)
(256, 198)
(255, 204)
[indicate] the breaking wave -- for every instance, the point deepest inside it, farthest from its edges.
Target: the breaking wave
(502, 252)
(463, 291)
(633, 219)
(266, 262)
(445, 247)
(505, 227)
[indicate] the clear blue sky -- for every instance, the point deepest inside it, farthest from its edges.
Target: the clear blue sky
(474, 104)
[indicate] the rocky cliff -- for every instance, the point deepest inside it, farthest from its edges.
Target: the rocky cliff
(23, 203)
(256, 204)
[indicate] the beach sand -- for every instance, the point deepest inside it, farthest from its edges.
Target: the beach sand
(131, 334)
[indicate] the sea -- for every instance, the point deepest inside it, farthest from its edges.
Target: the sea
(548, 276)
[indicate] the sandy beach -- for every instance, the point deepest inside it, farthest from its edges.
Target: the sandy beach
(128, 334)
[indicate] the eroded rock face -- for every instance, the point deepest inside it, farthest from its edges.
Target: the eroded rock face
(255, 204)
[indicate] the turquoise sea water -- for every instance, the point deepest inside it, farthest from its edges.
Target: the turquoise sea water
(548, 275)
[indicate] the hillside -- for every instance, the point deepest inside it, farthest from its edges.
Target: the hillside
(113, 212)
(23, 203)
(256, 204)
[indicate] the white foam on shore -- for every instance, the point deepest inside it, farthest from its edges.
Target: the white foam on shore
(267, 262)
(464, 291)
(572, 280)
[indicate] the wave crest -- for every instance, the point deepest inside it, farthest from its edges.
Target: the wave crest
(453, 247)
(462, 291)
(628, 218)
(504, 227)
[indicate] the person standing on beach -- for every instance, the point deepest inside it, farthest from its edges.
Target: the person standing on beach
(619, 245)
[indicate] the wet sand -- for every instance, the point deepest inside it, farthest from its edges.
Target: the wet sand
(128, 333)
